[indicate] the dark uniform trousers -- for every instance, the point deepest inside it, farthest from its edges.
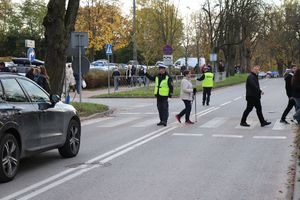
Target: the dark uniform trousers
(163, 108)
(206, 95)
(253, 102)
(289, 107)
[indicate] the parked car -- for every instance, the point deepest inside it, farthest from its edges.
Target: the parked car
(33, 121)
(23, 64)
(262, 74)
(191, 62)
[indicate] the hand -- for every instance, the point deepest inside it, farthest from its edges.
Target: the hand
(194, 91)
(170, 95)
(262, 93)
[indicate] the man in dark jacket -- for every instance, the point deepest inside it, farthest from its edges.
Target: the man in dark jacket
(288, 87)
(253, 96)
(163, 90)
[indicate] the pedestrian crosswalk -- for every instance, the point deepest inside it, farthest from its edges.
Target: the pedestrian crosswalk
(204, 123)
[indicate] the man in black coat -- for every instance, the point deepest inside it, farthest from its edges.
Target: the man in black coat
(288, 87)
(253, 96)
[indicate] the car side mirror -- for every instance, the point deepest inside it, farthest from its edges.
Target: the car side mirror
(54, 99)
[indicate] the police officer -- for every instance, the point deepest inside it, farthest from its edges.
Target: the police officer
(207, 84)
(288, 87)
(163, 90)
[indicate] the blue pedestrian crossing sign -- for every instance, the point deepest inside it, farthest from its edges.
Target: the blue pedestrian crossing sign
(31, 54)
(109, 49)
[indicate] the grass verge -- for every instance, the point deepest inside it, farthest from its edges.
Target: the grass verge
(87, 109)
(147, 93)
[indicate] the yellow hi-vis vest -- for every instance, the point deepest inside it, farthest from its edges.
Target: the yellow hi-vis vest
(208, 80)
(163, 88)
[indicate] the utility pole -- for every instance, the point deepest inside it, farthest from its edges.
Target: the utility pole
(134, 32)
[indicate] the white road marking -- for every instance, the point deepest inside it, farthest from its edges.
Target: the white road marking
(206, 112)
(251, 122)
(146, 123)
(80, 172)
(228, 136)
(270, 137)
(151, 113)
(188, 134)
(118, 122)
(224, 104)
(130, 113)
(93, 121)
(214, 123)
(83, 168)
(280, 126)
(238, 98)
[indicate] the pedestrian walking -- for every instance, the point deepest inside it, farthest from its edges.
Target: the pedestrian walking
(289, 92)
(186, 94)
(253, 96)
(116, 76)
(70, 81)
(296, 94)
(163, 90)
(207, 84)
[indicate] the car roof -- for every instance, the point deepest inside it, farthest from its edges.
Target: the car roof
(25, 61)
(9, 74)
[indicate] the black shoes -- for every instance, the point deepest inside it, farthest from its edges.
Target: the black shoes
(284, 121)
(162, 124)
(265, 123)
(244, 124)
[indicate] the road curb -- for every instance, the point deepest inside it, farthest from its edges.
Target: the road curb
(98, 115)
(296, 194)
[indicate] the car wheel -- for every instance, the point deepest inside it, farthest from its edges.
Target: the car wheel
(72, 143)
(9, 157)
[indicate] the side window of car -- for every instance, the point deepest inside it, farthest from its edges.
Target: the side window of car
(34, 92)
(2, 98)
(12, 91)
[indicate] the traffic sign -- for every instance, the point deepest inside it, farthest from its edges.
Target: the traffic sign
(213, 57)
(79, 40)
(109, 49)
(168, 60)
(168, 50)
(31, 54)
(30, 43)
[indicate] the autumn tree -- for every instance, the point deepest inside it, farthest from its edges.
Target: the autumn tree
(59, 23)
(104, 23)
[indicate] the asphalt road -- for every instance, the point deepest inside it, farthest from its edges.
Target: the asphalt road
(126, 156)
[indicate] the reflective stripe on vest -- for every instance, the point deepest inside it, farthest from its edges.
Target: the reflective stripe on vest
(208, 80)
(163, 87)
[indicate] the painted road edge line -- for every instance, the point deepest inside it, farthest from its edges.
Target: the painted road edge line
(238, 98)
(224, 104)
(74, 175)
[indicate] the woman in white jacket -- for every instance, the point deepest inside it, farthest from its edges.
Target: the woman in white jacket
(186, 94)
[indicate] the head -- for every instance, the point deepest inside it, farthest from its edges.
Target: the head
(162, 69)
(43, 71)
(187, 73)
(206, 68)
(293, 68)
(255, 69)
(2, 65)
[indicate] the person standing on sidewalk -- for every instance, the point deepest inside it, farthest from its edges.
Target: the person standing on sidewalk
(163, 90)
(186, 94)
(253, 96)
(116, 76)
(289, 92)
(207, 84)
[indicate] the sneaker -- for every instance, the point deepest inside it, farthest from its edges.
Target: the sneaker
(207, 104)
(203, 103)
(284, 121)
(265, 123)
(189, 122)
(244, 124)
(178, 118)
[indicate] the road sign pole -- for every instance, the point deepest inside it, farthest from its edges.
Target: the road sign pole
(108, 77)
(79, 58)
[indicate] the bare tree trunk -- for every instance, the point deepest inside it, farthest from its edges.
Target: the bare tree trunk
(58, 24)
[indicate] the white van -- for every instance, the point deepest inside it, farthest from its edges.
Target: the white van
(192, 62)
